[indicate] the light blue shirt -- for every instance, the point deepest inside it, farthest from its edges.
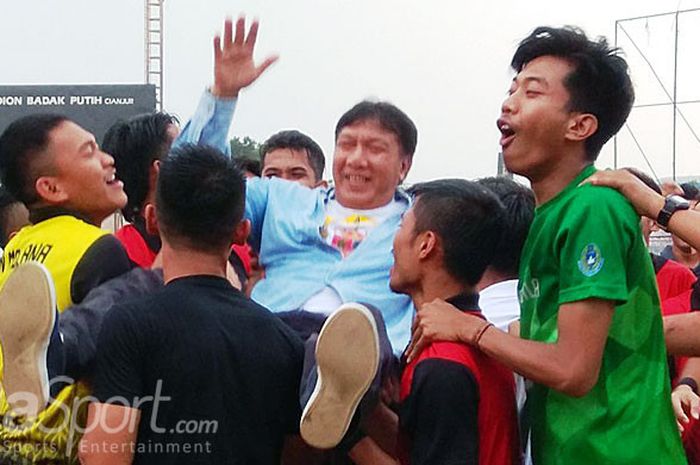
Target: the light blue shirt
(287, 222)
(287, 219)
(209, 124)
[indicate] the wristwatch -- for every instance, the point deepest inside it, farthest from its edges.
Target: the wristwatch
(672, 205)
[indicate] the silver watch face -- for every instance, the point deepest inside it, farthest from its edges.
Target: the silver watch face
(673, 204)
(676, 202)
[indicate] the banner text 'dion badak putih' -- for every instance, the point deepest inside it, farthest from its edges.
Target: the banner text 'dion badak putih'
(94, 107)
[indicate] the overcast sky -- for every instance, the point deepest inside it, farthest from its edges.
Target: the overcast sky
(444, 62)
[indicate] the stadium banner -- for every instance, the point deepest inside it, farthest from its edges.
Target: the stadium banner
(94, 107)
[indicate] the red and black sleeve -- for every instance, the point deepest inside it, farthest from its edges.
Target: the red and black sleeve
(440, 415)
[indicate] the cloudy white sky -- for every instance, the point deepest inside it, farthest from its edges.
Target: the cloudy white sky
(445, 62)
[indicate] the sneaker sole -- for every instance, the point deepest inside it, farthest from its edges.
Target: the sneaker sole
(27, 317)
(347, 356)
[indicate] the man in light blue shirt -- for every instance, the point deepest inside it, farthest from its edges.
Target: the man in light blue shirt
(327, 246)
(330, 247)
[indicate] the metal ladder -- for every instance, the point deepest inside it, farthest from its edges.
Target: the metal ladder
(153, 70)
(153, 34)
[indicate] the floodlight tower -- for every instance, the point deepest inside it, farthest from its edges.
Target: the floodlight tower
(153, 44)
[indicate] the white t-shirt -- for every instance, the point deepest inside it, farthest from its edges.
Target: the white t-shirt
(345, 228)
(499, 303)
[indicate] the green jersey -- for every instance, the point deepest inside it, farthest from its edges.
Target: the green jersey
(587, 243)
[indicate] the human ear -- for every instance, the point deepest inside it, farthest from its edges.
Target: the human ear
(49, 189)
(581, 126)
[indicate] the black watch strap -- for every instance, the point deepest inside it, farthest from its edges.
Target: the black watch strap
(672, 204)
(690, 382)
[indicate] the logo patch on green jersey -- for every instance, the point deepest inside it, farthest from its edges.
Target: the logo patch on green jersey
(591, 261)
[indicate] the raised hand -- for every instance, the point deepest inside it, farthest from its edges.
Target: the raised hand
(234, 68)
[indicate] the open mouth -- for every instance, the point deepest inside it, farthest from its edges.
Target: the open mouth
(112, 180)
(507, 133)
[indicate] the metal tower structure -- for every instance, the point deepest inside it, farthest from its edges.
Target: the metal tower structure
(153, 68)
(153, 44)
(670, 95)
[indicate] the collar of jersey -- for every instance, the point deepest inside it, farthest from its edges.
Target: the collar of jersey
(40, 214)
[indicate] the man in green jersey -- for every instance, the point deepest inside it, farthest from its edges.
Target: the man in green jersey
(591, 337)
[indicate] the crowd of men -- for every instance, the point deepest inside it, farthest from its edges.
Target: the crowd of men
(264, 315)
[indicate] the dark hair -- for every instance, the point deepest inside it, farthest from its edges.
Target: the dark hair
(646, 179)
(468, 219)
(7, 203)
(519, 203)
(21, 146)
(135, 144)
(599, 83)
(200, 198)
(248, 164)
(690, 191)
(389, 117)
(296, 140)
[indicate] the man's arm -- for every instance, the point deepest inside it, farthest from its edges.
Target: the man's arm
(368, 452)
(382, 429)
(382, 426)
(111, 437)
(681, 330)
(682, 333)
(257, 195)
(685, 223)
(570, 357)
(562, 365)
(80, 324)
(234, 69)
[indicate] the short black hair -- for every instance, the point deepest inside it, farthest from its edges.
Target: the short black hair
(22, 144)
(468, 219)
(646, 179)
(135, 144)
(7, 203)
(200, 198)
(389, 116)
(250, 165)
(295, 140)
(690, 191)
(519, 203)
(599, 83)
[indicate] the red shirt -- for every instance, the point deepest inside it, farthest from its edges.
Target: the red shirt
(675, 283)
(672, 278)
(457, 406)
(143, 255)
(243, 252)
(136, 247)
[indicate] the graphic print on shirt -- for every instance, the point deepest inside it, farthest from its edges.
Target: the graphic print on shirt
(346, 233)
(591, 261)
(529, 289)
(37, 252)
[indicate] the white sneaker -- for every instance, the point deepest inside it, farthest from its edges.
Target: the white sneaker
(27, 317)
(347, 356)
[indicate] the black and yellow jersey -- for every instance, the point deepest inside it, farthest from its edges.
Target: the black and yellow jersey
(79, 256)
